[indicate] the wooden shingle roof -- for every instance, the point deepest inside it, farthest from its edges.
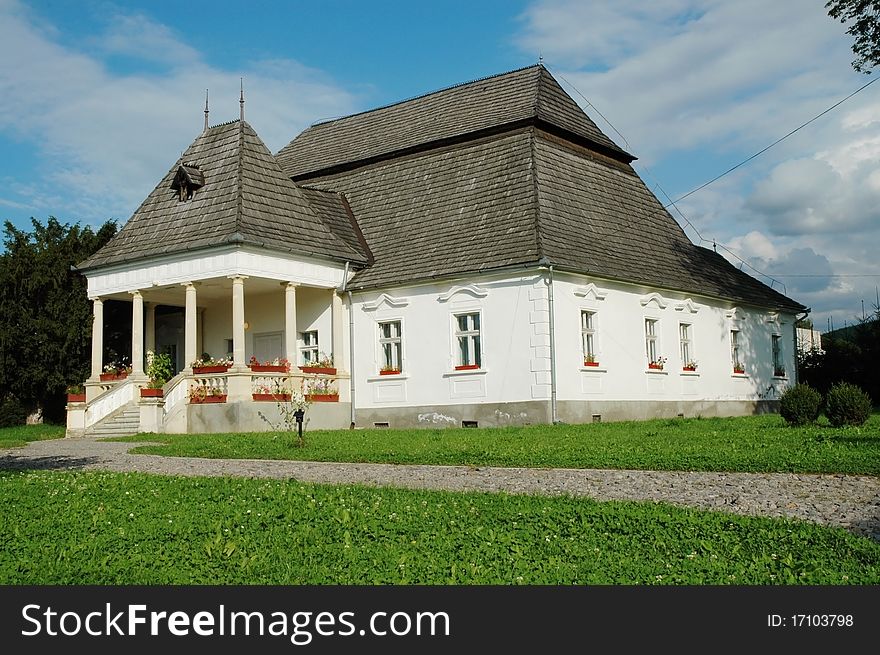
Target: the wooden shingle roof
(244, 198)
(433, 206)
(527, 95)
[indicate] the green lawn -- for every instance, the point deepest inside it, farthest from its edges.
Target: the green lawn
(113, 528)
(755, 443)
(19, 435)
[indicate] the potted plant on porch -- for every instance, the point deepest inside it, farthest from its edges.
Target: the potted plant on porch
(321, 390)
(207, 364)
(115, 371)
(204, 394)
(277, 365)
(76, 393)
(160, 371)
(275, 392)
(324, 364)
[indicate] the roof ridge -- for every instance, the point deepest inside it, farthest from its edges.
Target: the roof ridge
(425, 95)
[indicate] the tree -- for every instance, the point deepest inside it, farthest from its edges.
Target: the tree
(45, 315)
(864, 19)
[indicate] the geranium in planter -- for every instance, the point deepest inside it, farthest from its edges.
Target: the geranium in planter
(265, 392)
(207, 364)
(200, 394)
(160, 371)
(590, 360)
(76, 393)
(321, 391)
(690, 366)
(277, 365)
(738, 368)
(115, 371)
(389, 370)
(324, 365)
(657, 364)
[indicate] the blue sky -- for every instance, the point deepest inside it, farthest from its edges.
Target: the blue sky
(98, 99)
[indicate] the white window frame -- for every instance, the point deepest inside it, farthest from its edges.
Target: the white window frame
(686, 343)
(735, 349)
(474, 338)
(382, 341)
(590, 334)
(776, 354)
(308, 347)
(652, 339)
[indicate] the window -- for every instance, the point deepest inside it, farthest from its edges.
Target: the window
(588, 337)
(467, 335)
(651, 341)
(309, 350)
(734, 352)
(390, 347)
(778, 366)
(686, 346)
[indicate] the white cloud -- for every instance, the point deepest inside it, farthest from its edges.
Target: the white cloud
(106, 138)
(717, 81)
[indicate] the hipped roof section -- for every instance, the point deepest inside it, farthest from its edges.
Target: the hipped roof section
(501, 173)
(527, 95)
(246, 200)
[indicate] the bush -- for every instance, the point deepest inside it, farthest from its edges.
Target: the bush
(847, 404)
(800, 404)
(12, 412)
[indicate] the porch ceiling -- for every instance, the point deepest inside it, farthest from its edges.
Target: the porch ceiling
(208, 291)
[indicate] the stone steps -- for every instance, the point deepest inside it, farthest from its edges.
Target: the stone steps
(123, 424)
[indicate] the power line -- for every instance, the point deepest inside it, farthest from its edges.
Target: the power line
(672, 203)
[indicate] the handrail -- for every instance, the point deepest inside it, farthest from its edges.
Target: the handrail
(108, 402)
(174, 392)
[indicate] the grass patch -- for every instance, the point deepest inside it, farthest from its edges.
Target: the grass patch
(113, 528)
(19, 435)
(750, 444)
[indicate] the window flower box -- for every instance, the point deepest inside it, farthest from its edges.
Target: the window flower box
(201, 370)
(318, 369)
(76, 397)
(591, 363)
(738, 369)
(322, 397)
(690, 369)
(655, 367)
(390, 371)
(206, 400)
(271, 397)
(467, 367)
(151, 393)
(269, 368)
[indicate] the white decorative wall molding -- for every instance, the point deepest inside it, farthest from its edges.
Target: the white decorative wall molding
(733, 314)
(591, 290)
(385, 299)
(654, 297)
(472, 289)
(687, 306)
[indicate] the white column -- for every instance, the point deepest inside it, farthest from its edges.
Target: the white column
(338, 326)
(290, 323)
(189, 339)
(238, 350)
(137, 334)
(150, 327)
(97, 338)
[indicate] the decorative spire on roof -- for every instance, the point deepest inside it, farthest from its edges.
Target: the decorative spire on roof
(241, 101)
(206, 110)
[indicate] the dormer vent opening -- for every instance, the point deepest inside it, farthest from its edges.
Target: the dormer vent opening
(187, 179)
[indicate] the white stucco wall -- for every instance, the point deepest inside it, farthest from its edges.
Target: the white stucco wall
(516, 344)
(623, 374)
(264, 313)
(429, 378)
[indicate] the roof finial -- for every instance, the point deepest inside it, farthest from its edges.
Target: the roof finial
(540, 59)
(241, 100)
(206, 110)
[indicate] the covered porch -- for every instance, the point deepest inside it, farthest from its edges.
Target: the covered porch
(240, 340)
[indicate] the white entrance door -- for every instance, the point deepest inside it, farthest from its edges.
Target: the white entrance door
(268, 346)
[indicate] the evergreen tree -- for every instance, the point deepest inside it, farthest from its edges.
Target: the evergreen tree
(45, 316)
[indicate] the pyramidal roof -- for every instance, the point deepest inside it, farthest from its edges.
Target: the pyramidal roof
(526, 96)
(234, 193)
